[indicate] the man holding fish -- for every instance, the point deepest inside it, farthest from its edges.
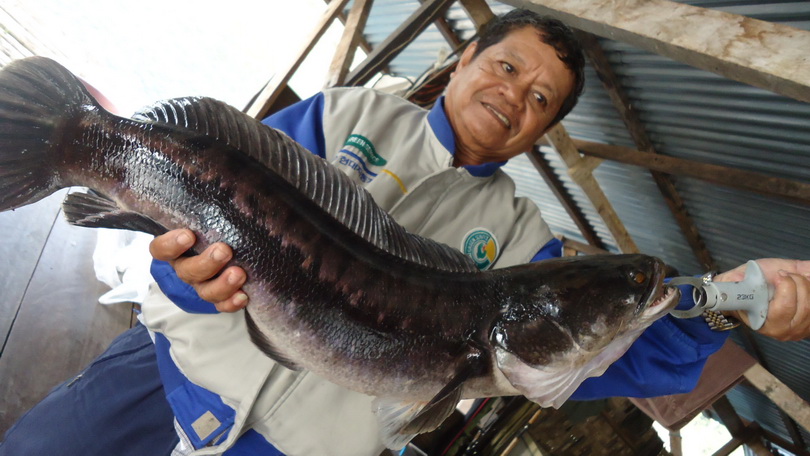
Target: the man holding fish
(437, 173)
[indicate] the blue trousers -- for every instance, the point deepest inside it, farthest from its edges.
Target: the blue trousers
(116, 406)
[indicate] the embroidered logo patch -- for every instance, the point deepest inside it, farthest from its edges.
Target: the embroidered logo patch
(357, 154)
(482, 246)
(365, 147)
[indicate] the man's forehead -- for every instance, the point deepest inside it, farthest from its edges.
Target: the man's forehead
(517, 46)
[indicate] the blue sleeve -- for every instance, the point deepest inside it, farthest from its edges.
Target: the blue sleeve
(182, 294)
(552, 249)
(303, 122)
(667, 358)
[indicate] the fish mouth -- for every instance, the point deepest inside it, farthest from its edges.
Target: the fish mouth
(662, 302)
(499, 115)
(660, 298)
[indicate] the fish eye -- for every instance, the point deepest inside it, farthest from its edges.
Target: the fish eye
(638, 277)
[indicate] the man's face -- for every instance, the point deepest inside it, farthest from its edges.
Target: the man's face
(502, 101)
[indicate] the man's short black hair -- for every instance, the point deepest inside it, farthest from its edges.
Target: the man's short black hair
(552, 32)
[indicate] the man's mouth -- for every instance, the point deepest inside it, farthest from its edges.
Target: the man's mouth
(498, 115)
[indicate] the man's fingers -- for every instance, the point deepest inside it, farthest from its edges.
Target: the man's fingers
(782, 307)
(223, 287)
(800, 323)
(203, 271)
(171, 245)
(237, 302)
(789, 311)
(198, 268)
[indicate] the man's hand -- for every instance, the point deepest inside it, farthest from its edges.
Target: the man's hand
(200, 271)
(789, 310)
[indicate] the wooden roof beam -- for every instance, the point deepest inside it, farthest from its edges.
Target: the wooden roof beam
(580, 169)
(480, 13)
(364, 44)
(751, 181)
(762, 54)
(397, 41)
(637, 131)
(352, 32)
(261, 105)
(447, 32)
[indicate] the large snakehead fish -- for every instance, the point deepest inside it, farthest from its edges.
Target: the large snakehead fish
(336, 286)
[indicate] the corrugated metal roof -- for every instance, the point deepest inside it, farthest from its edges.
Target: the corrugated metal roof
(691, 114)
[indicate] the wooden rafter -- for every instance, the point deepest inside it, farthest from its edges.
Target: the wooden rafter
(639, 134)
(580, 169)
(447, 32)
(762, 184)
(781, 395)
(762, 54)
(363, 43)
(344, 54)
(756, 351)
(479, 12)
(564, 197)
(261, 105)
(396, 42)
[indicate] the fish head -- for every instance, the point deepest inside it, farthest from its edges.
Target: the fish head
(565, 320)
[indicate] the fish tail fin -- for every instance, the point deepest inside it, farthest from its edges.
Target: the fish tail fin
(37, 96)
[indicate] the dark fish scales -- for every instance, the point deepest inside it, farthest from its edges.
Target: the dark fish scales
(336, 286)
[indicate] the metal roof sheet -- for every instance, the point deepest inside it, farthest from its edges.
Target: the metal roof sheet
(692, 114)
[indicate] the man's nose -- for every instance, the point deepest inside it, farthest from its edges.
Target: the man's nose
(514, 93)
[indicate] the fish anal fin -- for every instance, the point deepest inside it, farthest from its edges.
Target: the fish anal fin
(259, 339)
(96, 211)
(400, 420)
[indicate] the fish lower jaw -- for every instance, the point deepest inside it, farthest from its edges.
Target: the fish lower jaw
(662, 304)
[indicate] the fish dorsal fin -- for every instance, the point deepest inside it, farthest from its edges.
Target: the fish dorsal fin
(325, 185)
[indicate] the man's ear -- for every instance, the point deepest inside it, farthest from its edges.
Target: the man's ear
(466, 56)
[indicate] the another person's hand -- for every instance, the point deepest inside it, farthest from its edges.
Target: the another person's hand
(204, 272)
(789, 310)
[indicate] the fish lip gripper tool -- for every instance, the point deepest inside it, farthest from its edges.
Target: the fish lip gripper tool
(752, 295)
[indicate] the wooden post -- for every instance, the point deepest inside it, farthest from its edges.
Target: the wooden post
(675, 443)
(564, 197)
(271, 91)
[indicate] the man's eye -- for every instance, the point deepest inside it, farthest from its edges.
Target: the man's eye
(507, 67)
(540, 98)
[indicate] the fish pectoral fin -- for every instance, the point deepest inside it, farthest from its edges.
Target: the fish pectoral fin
(263, 343)
(400, 421)
(549, 386)
(93, 210)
